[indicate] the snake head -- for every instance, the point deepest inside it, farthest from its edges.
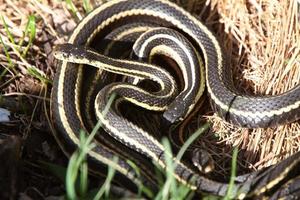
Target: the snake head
(176, 111)
(202, 160)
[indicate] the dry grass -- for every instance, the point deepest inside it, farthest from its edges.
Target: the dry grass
(261, 38)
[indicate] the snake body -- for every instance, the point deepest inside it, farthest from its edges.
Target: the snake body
(125, 139)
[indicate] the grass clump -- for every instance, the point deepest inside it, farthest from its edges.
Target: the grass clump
(170, 188)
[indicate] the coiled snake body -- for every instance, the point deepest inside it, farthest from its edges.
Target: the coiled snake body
(182, 38)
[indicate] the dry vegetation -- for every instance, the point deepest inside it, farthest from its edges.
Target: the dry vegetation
(262, 40)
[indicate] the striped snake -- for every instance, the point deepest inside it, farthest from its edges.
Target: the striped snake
(152, 28)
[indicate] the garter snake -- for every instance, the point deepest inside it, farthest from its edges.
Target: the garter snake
(125, 139)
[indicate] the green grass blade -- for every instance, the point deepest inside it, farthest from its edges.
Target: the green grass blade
(31, 32)
(99, 124)
(11, 64)
(141, 188)
(38, 75)
(83, 187)
(9, 35)
(106, 185)
(87, 6)
(73, 9)
(170, 188)
(170, 184)
(191, 139)
(71, 177)
(233, 175)
(78, 163)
